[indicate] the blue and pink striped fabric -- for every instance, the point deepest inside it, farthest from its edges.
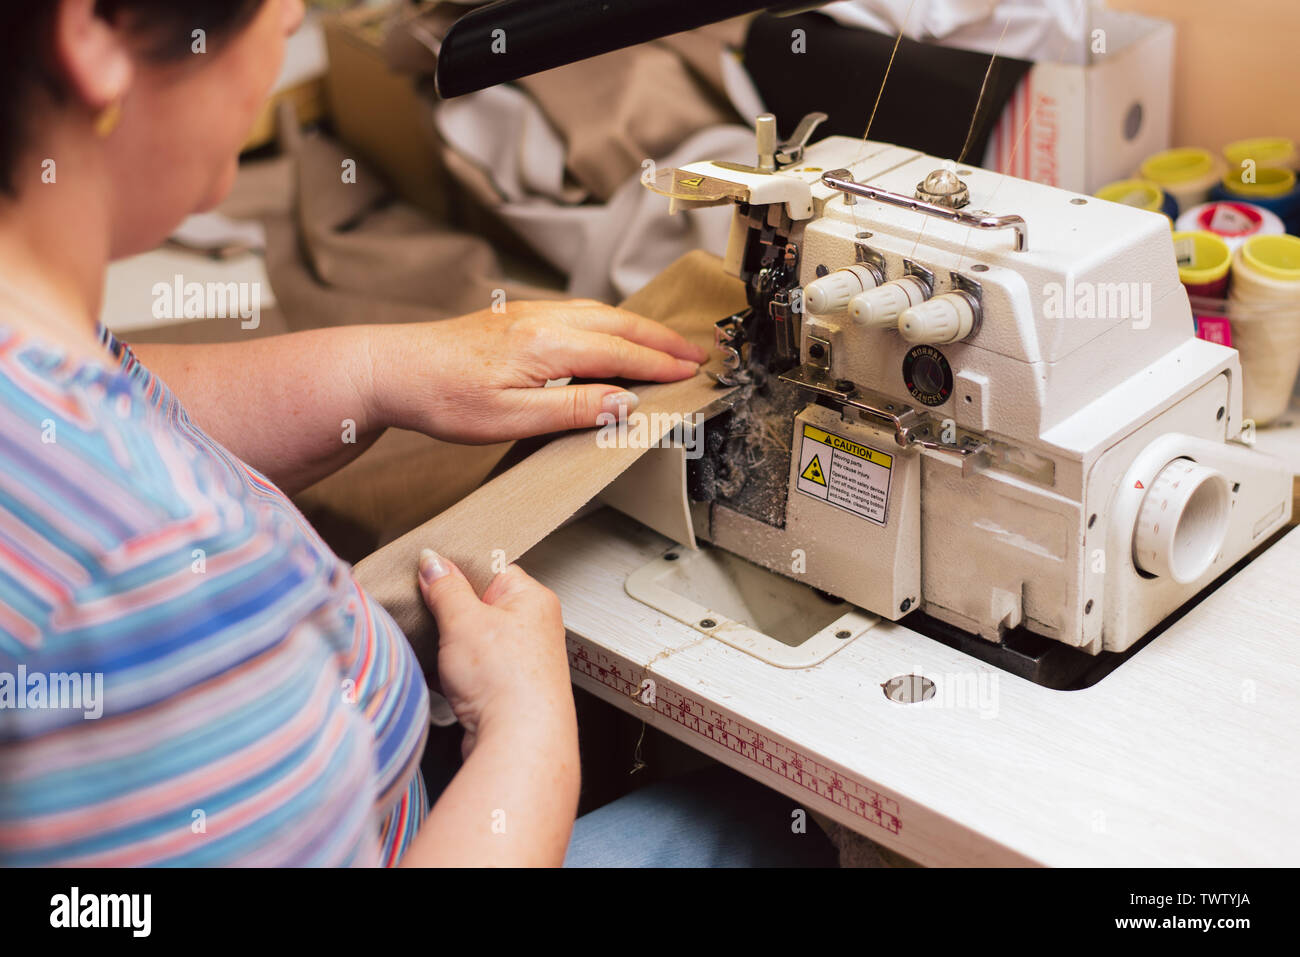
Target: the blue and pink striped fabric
(258, 708)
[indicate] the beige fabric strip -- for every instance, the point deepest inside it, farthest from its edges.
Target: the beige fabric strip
(518, 508)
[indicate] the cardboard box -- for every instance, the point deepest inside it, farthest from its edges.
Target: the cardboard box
(1080, 127)
(379, 112)
(387, 117)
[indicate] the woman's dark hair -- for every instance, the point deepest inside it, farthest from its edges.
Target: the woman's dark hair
(165, 28)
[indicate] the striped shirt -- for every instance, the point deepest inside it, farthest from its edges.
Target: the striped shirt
(255, 707)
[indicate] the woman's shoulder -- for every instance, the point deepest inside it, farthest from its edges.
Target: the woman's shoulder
(84, 448)
(118, 517)
(136, 551)
(109, 506)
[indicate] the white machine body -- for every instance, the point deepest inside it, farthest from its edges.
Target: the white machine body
(1002, 436)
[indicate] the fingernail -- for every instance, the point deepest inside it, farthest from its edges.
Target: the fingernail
(619, 403)
(689, 367)
(431, 566)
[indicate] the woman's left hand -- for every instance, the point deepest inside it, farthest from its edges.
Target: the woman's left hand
(478, 378)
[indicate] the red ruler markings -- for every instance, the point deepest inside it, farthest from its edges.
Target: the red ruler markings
(767, 752)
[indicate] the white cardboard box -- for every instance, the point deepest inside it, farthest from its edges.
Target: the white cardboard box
(1080, 127)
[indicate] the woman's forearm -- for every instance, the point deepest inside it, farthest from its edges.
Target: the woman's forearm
(296, 407)
(299, 406)
(512, 803)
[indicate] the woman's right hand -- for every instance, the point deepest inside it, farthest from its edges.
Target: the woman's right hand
(503, 667)
(502, 661)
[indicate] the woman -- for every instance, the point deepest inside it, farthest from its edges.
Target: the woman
(257, 707)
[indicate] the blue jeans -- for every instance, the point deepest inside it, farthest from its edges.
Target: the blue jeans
(714, 817)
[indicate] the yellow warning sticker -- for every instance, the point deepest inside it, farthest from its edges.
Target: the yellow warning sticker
(844, 473)
(694, 182)
(813, 472)
(844, 445)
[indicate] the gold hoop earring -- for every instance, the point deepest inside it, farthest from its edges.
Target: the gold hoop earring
(108, 118)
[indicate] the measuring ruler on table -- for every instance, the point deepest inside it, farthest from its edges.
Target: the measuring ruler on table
(597, 670)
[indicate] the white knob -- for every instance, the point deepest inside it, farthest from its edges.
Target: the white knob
(1182, 522)
(946, 318)
(832, 292)
(880, 308)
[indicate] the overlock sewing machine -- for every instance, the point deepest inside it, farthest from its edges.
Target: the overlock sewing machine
(963, 393)
(995, 406)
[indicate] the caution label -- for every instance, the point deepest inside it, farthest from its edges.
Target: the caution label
(813, 472)
(845, 474)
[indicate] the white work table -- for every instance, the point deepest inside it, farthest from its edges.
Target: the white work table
(1187, 754)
